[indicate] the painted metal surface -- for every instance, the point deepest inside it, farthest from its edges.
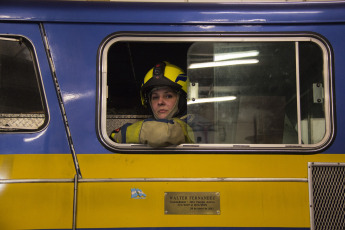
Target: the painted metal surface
(250, 199)
(173, 13)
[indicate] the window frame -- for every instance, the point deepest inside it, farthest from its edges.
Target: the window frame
(102, 90)
(39, 80)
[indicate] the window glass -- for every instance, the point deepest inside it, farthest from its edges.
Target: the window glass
(263, 93)
(128, 63)
(247, 92)
(21, 104)
(311, 69)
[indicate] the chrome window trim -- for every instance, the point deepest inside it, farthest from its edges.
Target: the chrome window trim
(298, 94)
(153, 179)
(13, 37)
(221, 37)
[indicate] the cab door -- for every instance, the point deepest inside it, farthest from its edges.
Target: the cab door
(36, 167)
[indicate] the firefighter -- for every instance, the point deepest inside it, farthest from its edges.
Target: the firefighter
(164, 89)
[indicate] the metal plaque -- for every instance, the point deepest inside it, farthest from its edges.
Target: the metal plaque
(192, 203)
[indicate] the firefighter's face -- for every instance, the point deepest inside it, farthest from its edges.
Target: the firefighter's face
(163, 101)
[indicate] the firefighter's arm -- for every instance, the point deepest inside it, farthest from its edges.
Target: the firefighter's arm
(116, 135)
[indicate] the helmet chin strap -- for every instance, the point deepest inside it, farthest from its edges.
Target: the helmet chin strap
(172, 112)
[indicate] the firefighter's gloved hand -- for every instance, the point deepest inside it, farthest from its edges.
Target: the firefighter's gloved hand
(161, 133)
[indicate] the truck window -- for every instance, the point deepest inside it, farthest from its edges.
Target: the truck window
(244, 93)
(21, 98)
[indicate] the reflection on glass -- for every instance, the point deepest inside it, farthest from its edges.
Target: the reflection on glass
(222, 63)
(209, 100)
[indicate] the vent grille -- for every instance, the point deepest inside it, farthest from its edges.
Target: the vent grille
(327, 196)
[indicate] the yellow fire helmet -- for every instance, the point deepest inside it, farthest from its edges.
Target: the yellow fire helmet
(165, 74)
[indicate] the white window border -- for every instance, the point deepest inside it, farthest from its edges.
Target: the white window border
(224, 37)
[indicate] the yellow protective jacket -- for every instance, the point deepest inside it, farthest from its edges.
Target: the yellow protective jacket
(156, 133)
